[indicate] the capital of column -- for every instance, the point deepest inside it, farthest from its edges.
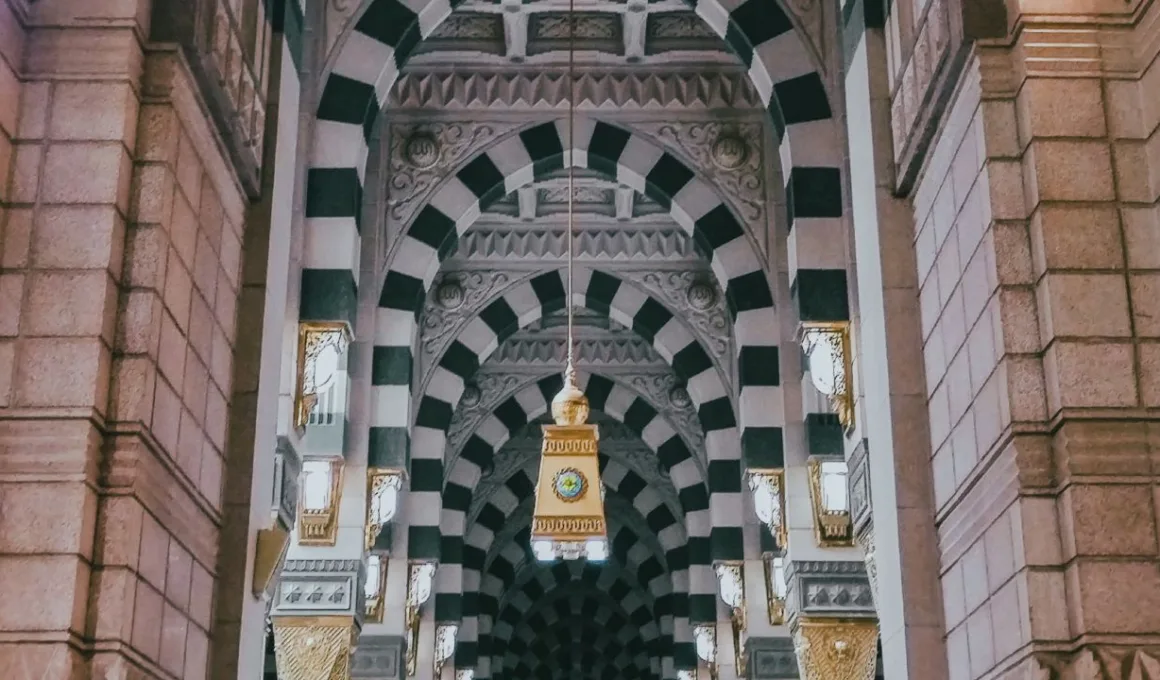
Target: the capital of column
(314, 647)
(828, 588)
(836, 649)
(323, 587)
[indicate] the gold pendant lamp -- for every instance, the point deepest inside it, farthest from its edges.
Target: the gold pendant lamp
(568, 522)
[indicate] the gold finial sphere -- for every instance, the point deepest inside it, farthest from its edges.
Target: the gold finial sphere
(570, 406)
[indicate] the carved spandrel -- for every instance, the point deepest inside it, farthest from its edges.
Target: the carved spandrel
(728, 155)
(424, 155)
(696, 300)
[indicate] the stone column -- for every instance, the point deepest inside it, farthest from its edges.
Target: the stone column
(1036, 236)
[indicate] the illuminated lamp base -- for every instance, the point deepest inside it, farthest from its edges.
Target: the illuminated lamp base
(592, 549)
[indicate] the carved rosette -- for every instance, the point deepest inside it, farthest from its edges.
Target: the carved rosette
(833, 649)
(728, 155)
(306, 649)
(422, 156)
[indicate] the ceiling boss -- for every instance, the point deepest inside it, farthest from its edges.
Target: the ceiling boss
(569, 521)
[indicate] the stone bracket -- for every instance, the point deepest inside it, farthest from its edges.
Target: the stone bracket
(321, 587)
(378, 657)
(835, 589)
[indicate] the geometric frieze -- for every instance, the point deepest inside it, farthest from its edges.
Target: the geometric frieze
(830, 588)
(320, 587)
(541, 244)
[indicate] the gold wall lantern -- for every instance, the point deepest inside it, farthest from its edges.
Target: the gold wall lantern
(775, 588)
(827, 350)
(320, 349)
(731, 582)
(445, 635)
(318, 506)
(375, 587)
(768, 488)
(830, 498)
(384, 486)
(420, 581)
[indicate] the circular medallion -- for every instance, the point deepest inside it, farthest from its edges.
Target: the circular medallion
(471, 396)
(701, 295)
(449, 294)
(422, 150)
(570, 485)
(679, 396)
(730, 152)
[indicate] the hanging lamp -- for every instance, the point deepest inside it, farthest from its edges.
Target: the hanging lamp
(568, 522)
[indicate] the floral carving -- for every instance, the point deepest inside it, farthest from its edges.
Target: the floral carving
(715, 150)
(457, 298)
(694, 301)
(410, 185)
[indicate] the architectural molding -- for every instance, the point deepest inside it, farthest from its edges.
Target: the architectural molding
(771, 658)
(859, 485)
(828, 588)
(314, 649)
(833, 649)
(595, 354)
(378, 657)
(1105, 662)
(487, 245)
(696, 298)
(321, 587)
(455, 299)
(452, 90)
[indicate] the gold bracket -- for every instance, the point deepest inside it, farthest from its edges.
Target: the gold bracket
(832, 528)
(268, 556)
(315, 339)
(319, 526)
(836, 649)
(827, 346)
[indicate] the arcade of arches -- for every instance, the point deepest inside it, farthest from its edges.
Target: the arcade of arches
(867, 313)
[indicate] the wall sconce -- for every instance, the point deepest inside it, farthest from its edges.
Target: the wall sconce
(445, 634)
(705, 641)
(827, 350)
(731, 581)
(375, 587)
(383, 488)
(320, 349)
(830, 497)
(775, 589)
(768, 487)
(420, 580)
(318, 507)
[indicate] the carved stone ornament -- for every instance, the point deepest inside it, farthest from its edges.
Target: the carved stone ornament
(548, 91)
(412, 180)
(831, 649)
(585, 26)
(471, 396)
(715, 150)
(1098, 663)
(693, 301)
(625, 244)
(311, 650)
(866, 541)
(422, 150)
(457, 299)
(679, 397)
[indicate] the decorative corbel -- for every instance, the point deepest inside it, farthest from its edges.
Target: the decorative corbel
(775, 588)
(320, 349)
(318, 507)
(383, 488)
(731, 581)
(827, 350)
(768, 488)
(830, 500)
(375, 587)
(419, 584)
(445, 636)
(705, 642)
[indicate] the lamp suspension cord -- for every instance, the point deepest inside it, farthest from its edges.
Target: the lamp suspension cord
(571, 164)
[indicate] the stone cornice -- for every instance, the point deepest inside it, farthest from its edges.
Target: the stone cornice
(450, 90)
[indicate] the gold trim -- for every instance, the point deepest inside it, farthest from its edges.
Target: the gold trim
(843, 398)
(375, 608)
(831, 529)
(774, 604)
(310, 334)
(781, 534)
(579, 494)
(314, 648)
(269, 553)
(320, 527)
(377, 477)
(836, 649)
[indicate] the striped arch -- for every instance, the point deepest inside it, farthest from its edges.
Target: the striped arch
(366, 66)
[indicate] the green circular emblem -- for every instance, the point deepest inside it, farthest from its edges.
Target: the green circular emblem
(570, 485)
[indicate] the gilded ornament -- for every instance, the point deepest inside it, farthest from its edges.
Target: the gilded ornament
(314, 649)
(836, 649)
(570, 485)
